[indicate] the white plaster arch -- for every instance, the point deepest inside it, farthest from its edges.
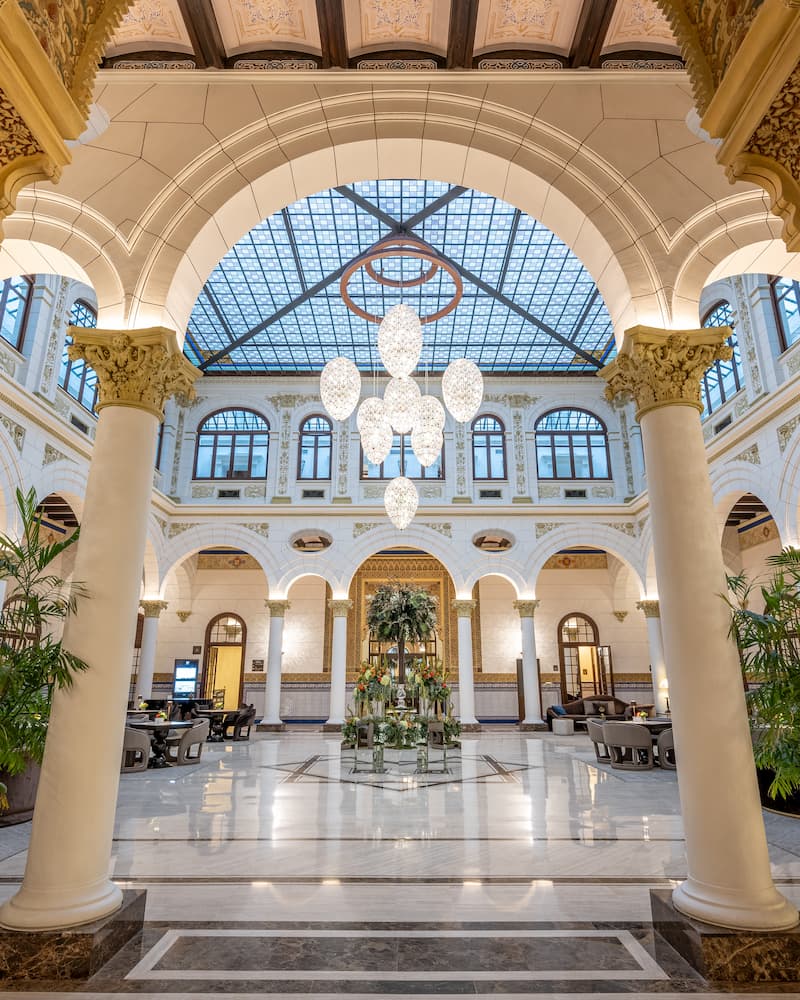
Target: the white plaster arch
(386, 537)
(66, 478)
(498, 564)
(206, 535)
(732, 481)
(450, 154)
(621, 574)
(600, 536)
(299, 569)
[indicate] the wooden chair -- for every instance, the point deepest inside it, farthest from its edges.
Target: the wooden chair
(239, 724)
(595, 730)
(630, 746)
(180, 752)
(135, 751)
(666, 750)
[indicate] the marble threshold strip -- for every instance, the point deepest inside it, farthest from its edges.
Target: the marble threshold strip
(137, 880)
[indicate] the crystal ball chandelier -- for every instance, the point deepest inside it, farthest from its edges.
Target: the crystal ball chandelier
(403, 408)
(340, 387)
(401, 501)
(462, 388)
(400, 340)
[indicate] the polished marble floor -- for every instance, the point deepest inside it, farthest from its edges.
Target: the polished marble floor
(271, 868)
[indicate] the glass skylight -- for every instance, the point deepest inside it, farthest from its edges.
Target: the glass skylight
(273, 303)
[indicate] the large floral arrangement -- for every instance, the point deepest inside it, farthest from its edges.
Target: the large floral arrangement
(431, 680)
(399, 731)
(374, 683)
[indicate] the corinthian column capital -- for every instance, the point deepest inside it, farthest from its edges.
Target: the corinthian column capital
(340, 607)
(650, 608)
(664, 367)
(153, 609)
(526, 609)
(139, 368)
(277, 609)
(464, 608)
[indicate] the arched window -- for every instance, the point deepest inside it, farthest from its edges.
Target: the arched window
(314, 459)
(401, 461)
(786, 300)
(723, 378)
(232, 444)
(488, 448)
(571, 444)
(77, 379)
(15, 300)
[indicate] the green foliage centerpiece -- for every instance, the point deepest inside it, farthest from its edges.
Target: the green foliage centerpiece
(769, 645)
(33, 664)
(401, 613)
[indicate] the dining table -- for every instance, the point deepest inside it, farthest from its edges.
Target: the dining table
(159, 731)
(216, 722)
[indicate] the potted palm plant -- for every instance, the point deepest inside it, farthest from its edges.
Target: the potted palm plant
(769, 645)
(33, 662)
(401, 613)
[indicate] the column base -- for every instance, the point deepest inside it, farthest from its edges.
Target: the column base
(332, 727)
(73, 954)
(470, 727)
(44, 910)
(534, 727)
(764, 911)
(723, 955)
(271, 727)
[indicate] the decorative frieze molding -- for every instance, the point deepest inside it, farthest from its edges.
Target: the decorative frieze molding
(344, 460)
(255, 491)
(663, 368)
(549, 491)
(137, 64)
(202, 490)
(409, 65)
(140, 368)
(785, 432)
(178, 528)
(429, 492)
(542, 527)
(15, 431)
(443, 527)
(372, 491)
(52, 454)
(514, 400)
(526, 609)
(362, 527)
(276, 65)
(153, 609)
(518, 437)
(602, 492)
(626, 527)
(52, 360)
(460, 440)
(651, 609)
(522, 65)
(260, 528)
(750, 455)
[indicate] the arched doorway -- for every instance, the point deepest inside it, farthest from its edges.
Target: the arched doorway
(586, 667)
(223, 664)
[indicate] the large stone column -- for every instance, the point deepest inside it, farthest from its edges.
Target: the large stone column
(272, 716)
(66, 875)
(729, 882)
(339, 610)
(530, 670)
(147, 652)
(657, 665)
(466, 681)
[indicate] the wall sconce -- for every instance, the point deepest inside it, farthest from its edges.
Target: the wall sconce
(183, 615)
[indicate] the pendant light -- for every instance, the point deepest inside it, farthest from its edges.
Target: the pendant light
(340, 387)
(401, 501)
(462, 388)
(400, 340)
(402, 398)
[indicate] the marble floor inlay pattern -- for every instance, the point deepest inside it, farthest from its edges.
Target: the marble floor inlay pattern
(271, 869)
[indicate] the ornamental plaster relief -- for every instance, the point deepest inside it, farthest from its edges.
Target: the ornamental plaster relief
(149, 22)
(396, 20)
(291, 23)
(514, 23)
(15, 431)
(637, 22)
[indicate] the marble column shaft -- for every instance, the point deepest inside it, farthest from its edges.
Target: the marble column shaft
(277, 610)
(658, 665)
(466, 681)
(530, 669)
(147, 652)
(339, 611)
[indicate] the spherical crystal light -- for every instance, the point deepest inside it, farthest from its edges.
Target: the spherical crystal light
(462, 388)
(430, 413)
(340, 387)
(402, 398)
(400, 340)
(427, 443)
(401, 501)
(371, 411)
(376, 440)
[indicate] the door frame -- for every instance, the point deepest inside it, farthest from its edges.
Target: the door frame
(242, 643)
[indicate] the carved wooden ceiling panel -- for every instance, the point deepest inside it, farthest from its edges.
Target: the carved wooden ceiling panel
(264, 24)
(639, 24)
(536, 24)
(387, 24)
(151, 24)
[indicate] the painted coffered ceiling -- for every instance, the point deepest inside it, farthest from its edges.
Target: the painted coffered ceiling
(523, 35)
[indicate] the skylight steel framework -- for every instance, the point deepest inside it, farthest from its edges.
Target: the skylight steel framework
(272, 304)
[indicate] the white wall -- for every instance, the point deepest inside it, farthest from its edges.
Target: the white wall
(304, 627)
(501, 636)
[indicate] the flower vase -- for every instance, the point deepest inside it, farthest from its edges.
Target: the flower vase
(377, 759)
(379, 708)
(424, 706)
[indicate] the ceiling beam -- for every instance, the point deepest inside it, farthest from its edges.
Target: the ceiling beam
(330, 17)
(590, 33)
(287, 222)
(204, 33)
(461, 36)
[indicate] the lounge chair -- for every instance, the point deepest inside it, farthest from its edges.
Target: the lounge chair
(630, 746)
(135, 751)
(180, 752)
(666, 750)
(595, 730)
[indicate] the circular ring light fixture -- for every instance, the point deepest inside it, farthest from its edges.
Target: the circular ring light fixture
(401, 246)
